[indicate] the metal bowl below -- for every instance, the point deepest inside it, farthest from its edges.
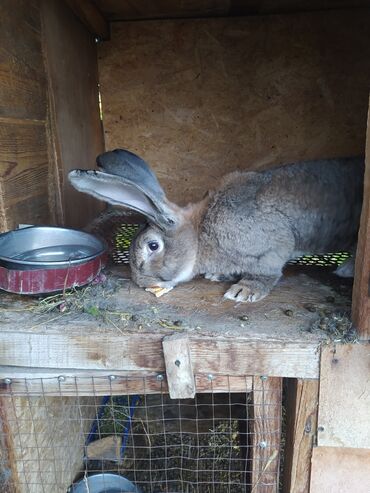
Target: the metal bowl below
(104, 483)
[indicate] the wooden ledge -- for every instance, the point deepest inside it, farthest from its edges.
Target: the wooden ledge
(273, 337)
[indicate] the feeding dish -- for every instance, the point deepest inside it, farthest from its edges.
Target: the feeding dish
(43, 259)
(105, 483)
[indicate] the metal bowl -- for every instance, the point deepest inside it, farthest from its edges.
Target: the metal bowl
(104, 483)
(47, 247)
(45, 259)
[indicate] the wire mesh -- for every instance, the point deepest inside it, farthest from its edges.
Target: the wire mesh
(119, 231)
(218, 442)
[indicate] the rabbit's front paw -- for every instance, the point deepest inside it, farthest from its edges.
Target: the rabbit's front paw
(251, 290)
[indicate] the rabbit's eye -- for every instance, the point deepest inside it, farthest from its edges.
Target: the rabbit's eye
(153, 246)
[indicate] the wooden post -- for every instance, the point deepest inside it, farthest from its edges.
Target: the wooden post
(301, 422)
(266, 428)
(44, 439)
(179, 370)
(24, 165)
(361, 299)
(340, 462)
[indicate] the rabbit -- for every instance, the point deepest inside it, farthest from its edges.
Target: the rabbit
(244, 231)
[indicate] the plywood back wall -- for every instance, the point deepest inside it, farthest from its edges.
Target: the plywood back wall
(199, 98)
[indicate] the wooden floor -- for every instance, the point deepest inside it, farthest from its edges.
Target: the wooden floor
(119, 326)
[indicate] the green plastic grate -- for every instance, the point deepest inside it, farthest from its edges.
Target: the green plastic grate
(124, 233)
(122, 239)
(326, 260)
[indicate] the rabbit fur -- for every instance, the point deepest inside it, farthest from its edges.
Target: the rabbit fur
(244, 231)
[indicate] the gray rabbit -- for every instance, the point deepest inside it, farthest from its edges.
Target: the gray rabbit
(244, 231)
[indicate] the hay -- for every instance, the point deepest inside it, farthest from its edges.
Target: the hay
(160, 457)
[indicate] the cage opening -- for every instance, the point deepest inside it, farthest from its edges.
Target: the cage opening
(219, 441)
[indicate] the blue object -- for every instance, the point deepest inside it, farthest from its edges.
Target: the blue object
(131, 403)
(134, 401)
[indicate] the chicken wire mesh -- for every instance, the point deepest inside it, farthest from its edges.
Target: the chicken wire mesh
(59, 431)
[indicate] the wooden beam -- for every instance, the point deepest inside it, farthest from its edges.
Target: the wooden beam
(179, 368)
(254, 357)
(74, 125)
(91, 17)
(70, 382)
(133, 352)
(361, 299)
(344, 396)
(266, 429)
(8, 471)
(123, 10)
(301, 422)
(340, 470)
(39, 432)
(23, 108)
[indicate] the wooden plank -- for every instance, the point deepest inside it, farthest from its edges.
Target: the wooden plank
(107, 448)
(344, 396)
(266, 428)
(235, 356)
(361, 287)
(72, 383)
(86, 352)
(128, 333)
(301, 426)
(197, 306)
(340, 470)
(179, 369)
(22, 76)
(223, 383)
(77, 136)
(69, 382)
(8, 471)
(24, 174)
(185, 100)
(131, 352)
(147, 9)
(90, 15)
(46, 438)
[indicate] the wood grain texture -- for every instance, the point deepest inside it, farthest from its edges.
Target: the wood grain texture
(37, 381)
(266, 341)
(128, 352)
(46, 437)
(179, 368)
(24, 171)
(200, 98)
(340, 470)
(266, 429)
(91, 16)
(8, 470)
(149, 9)
(23, 174)
(301, 426)
(361, 287)
(344, 396)
(70, 52)
(22, 75)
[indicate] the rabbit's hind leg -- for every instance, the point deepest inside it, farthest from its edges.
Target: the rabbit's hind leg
(251, 288)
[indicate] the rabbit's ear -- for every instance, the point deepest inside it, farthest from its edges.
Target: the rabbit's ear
(117, 190)
(133, 169)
